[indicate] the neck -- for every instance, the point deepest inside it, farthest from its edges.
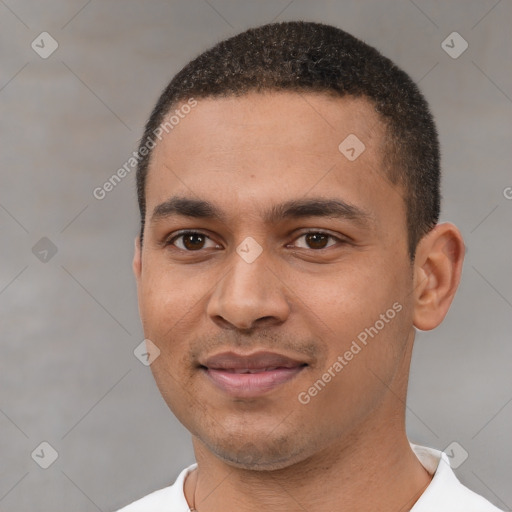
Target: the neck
(367, 472)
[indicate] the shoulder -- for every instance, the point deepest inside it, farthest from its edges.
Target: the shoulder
(170, 498)
(445, 492)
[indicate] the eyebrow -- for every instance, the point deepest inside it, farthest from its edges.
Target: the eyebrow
(293, 209)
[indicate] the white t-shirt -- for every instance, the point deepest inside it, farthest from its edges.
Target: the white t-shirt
(444, 494)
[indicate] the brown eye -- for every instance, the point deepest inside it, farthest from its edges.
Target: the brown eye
(190, 241)
(316, 240)
(193, 241)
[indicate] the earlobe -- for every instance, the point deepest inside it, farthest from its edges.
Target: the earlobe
(437, 271)
(137, 259)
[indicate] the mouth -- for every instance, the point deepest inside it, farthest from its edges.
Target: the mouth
(249, 376)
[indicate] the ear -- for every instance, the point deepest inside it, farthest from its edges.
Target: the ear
(137, 259)
(437, 271)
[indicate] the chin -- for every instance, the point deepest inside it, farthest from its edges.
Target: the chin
(262, 456)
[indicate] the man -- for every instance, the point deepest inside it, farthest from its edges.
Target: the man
(288, 185)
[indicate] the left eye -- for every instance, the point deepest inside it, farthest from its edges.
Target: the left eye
(191, 241)
(316, 240)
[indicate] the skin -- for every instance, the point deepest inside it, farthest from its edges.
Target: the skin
(307, 302)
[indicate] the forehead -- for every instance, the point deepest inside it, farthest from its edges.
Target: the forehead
(309, 120)
(270, 147)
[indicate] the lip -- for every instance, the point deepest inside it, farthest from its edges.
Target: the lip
(252, 375)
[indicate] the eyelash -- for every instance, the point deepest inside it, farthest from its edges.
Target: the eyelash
(170, 241)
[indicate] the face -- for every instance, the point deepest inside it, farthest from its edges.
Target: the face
(283, 313)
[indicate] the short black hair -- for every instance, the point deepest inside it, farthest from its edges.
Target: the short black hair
(304, 56)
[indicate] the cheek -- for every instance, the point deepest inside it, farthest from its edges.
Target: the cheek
(168, 309)
(357, 374)
(359, 314)
(348, 299)
(165, 297)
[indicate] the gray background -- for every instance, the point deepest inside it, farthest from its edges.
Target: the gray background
(69, 325)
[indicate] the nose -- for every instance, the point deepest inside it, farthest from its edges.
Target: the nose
(249, 295)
